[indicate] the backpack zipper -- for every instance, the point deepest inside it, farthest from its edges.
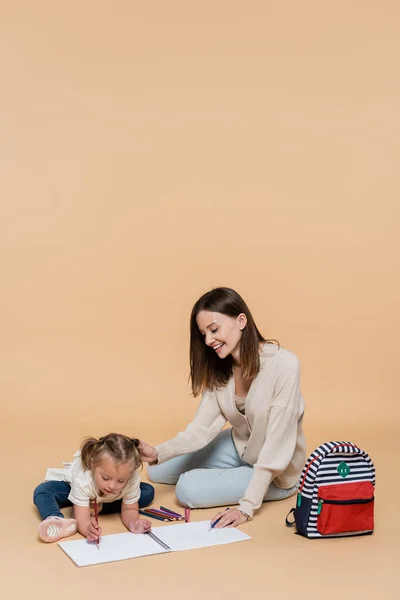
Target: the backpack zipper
(321, 501)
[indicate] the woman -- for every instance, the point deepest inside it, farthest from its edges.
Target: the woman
(255, 386)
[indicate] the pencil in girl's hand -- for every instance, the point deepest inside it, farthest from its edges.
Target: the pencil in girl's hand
(94, 513)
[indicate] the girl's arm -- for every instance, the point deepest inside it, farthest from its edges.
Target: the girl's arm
(86, 526)
(130, 518)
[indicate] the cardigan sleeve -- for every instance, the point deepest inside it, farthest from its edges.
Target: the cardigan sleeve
(206, 425)
(280, 441)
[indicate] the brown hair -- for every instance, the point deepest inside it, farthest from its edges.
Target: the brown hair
(120, 447)
(206, 369)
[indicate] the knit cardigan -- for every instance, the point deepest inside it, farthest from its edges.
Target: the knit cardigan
(268, 436)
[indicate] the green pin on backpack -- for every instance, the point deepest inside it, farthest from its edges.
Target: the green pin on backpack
(343, 469)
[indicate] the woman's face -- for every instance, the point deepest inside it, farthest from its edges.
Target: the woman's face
(221, 333)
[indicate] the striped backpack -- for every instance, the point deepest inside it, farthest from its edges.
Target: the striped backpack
(336, 493)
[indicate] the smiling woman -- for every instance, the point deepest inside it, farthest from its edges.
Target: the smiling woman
(253, 384)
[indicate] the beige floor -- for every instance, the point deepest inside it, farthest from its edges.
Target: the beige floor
(150, 151)
(274, 563)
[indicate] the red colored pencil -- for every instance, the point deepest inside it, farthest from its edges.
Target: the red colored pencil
(154, 511)
(96, 515)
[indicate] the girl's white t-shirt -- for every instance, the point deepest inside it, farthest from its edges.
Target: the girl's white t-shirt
(83, 487)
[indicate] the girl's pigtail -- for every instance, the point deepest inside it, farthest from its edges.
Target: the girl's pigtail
(136, 455)
(89, 449)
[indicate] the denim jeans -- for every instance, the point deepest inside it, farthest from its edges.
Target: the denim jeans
(212, 476)
(50, 496)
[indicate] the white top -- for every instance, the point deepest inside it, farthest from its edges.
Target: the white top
(240, 403)
(83, 486)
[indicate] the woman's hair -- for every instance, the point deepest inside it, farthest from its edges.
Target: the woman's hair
(120, 447)
(207, 370)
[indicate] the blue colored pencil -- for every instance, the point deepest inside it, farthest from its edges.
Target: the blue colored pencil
(217, 521)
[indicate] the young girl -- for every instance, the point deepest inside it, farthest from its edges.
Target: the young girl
(104, 469)
(255, 386)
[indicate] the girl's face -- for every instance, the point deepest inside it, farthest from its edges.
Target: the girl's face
(221, 333)
(110, 476)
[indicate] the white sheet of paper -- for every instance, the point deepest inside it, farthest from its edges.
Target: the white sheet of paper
(118, 546)
(122, 546)
(189, 536)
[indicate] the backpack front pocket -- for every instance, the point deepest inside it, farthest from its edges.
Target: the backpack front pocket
(345, 508)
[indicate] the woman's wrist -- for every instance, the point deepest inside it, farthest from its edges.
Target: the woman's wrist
(155, 459)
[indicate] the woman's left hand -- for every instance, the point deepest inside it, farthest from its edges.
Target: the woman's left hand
(229, 518)
(140, 526)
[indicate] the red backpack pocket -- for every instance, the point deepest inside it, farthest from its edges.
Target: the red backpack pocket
(345, 508)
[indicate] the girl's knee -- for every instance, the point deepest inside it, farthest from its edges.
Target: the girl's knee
(146, 494)
(40, 489)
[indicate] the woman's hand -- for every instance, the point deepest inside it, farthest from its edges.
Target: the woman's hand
(140, 526)
(148, 453)
(93, 532)
(229, 518)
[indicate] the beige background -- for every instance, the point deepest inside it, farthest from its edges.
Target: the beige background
(149, 152)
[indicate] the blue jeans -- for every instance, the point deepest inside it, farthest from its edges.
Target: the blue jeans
(212, 476)
(50, 496)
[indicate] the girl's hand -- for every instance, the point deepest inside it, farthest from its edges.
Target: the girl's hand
(148, 453)
(93, 532)
(230, 518)
(140, 526)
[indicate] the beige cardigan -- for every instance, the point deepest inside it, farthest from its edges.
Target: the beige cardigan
(268, 436)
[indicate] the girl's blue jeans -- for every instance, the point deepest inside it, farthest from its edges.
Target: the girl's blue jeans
(50, 496)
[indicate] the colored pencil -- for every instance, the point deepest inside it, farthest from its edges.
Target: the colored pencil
(156, 514)
(153, 516)
(170, 515)
(160, 514)
(167, 510)
(187, 515)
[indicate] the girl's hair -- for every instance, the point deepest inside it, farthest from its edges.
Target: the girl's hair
(120, 447)
(207, 371)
